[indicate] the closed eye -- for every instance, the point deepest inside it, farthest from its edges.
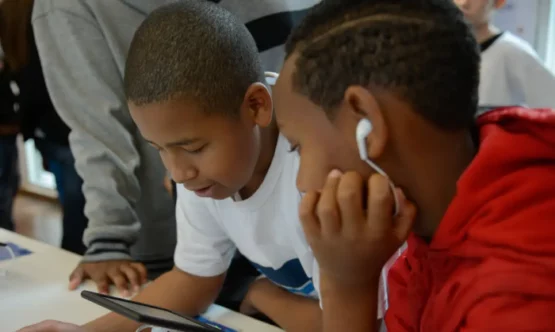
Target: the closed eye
(195, 151)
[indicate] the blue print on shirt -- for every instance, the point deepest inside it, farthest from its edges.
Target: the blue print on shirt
(290, 276)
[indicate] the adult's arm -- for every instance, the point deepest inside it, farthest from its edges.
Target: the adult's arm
(86, 88)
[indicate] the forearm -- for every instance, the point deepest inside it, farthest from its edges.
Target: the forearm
(84, 83)
(291, 312)
(352, 307)
(175, 290)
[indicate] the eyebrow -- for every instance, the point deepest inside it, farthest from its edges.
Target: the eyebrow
(181, 142)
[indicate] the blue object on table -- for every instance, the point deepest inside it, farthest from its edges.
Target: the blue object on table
(214, 324)
(17, 250)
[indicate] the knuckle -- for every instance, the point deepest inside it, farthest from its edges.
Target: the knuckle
(352, 176)
(312, 240)
(324, 210)
(305, 214)
(380, 187)
(137, 268)
(99, 277)
(347, 195)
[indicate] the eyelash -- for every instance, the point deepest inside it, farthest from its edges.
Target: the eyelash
(199, 150)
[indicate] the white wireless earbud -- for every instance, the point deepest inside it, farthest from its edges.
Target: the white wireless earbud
(364, 128)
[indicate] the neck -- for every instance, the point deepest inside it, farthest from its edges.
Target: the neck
(485, 31)
(442, 164)
(268, 142)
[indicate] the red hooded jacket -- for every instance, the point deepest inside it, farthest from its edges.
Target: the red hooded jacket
(491, 263)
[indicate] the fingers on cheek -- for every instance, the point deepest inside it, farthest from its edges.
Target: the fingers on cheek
(327, 211)
(401, 196)
(380, 191)
(330, 221)
(309, 221)
(307, 207)
(406, 206)
(347, 195)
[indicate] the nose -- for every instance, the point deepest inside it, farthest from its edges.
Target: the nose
(182, 176)
(181, 171)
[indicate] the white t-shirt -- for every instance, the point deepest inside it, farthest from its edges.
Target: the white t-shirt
(265, 228)
(513, 74)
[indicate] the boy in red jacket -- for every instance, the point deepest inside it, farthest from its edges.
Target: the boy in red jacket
(394, 82)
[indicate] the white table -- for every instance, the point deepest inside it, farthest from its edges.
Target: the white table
(35, 289)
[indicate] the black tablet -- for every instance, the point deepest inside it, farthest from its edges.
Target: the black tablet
(149, 315)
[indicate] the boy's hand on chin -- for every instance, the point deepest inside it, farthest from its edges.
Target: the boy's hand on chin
(350, 242)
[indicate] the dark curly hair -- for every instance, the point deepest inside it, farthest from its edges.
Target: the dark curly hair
(421, 50)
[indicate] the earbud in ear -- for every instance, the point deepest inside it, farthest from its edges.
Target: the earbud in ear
(364, 128)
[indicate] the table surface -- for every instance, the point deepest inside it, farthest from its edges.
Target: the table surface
(34, 288)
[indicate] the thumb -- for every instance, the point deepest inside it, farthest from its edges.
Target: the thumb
(76, 278)
(405, 219)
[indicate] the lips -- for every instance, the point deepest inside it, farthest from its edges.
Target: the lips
(198, 188)
(203, 191)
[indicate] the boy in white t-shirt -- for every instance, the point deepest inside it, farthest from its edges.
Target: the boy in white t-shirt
(511, 71)
(196, 90)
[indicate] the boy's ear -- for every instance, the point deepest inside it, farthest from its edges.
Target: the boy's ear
(258, 102)
(500, 3)
(360, 103)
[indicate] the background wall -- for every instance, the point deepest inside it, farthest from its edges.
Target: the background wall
(532, 20)
(519, 17)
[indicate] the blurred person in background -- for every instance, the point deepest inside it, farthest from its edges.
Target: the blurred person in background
(511, 72)
(38, 118)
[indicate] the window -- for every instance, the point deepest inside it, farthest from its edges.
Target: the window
(550, 38)
(33, 176)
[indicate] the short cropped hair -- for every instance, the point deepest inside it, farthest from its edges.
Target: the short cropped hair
(423, 51)
(195, 50)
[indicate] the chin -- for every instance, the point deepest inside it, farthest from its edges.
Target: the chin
(220, 197)
(222, 193)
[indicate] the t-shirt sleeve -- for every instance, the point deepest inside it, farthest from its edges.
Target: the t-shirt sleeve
(203, 247)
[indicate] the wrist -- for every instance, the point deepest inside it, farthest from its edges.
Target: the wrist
(356, 303)
(332, 287)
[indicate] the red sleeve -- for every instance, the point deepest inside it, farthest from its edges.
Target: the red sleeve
(511, 312)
